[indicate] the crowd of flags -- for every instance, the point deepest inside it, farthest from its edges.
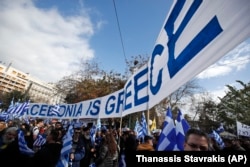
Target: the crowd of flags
(141, 128)
(172, 135)
(171, 138)
(15, 110)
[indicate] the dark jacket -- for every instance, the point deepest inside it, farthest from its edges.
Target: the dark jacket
(79, 152)
(86, 160)
(47, 156)
(11, 155)
(103, 159)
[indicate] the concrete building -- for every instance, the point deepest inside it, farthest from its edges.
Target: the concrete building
(38, 91)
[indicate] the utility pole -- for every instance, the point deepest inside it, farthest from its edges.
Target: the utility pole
(27, 91)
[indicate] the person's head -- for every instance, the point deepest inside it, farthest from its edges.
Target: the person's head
(10, 123)
(25, 127)
(196, 140)
(10, 135)
(228, 142)
(53, 136)
(39, 123)
(86, 132)
(77, 133)
(149, 140)
(58, 125)
(98, 133)
(104, 130)
(109, 140)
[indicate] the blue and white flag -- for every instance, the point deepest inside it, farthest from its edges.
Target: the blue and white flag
(182, 127)
(23, 107)
(98, 124)
(93, 134)
(220, 129)
(27, 120)
(11, 106)
(138, 129)
(40, 140)
(55, 110)
(144, 125)
(24, 149)
(218, 139)
(5, 116)
(66, 149)
(18, 109)
(167, 139)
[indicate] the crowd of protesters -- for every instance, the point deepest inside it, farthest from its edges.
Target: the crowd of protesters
(110, 148)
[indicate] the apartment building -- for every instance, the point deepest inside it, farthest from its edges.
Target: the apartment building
(39, 91)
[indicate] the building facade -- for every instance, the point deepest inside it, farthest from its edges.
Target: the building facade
(38, 91)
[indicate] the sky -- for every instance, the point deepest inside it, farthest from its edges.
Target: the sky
(48, 38)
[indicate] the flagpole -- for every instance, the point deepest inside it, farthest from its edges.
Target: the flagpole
(120, 132)
(148, 111)
(148, 122)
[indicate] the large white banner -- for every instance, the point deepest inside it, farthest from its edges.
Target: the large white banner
(243, 129)
(194, 35)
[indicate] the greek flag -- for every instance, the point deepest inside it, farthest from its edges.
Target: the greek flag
(182, 127)
(218, 139)
(144, 127)
(40, 140)
(55, 110)
(167, 139)
(220, 129)
(24, 149)
(27, 120)
(5, 116)
(19, 108)
(23, 107)
(98, 124)
(93, 134)
(67, 146)
(138, 129)
(144, 124)
(12, 106)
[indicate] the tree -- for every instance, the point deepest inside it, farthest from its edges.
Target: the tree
(177, 99)
(235, 105)
(204, 108)
(14, 95)
(90, 82)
